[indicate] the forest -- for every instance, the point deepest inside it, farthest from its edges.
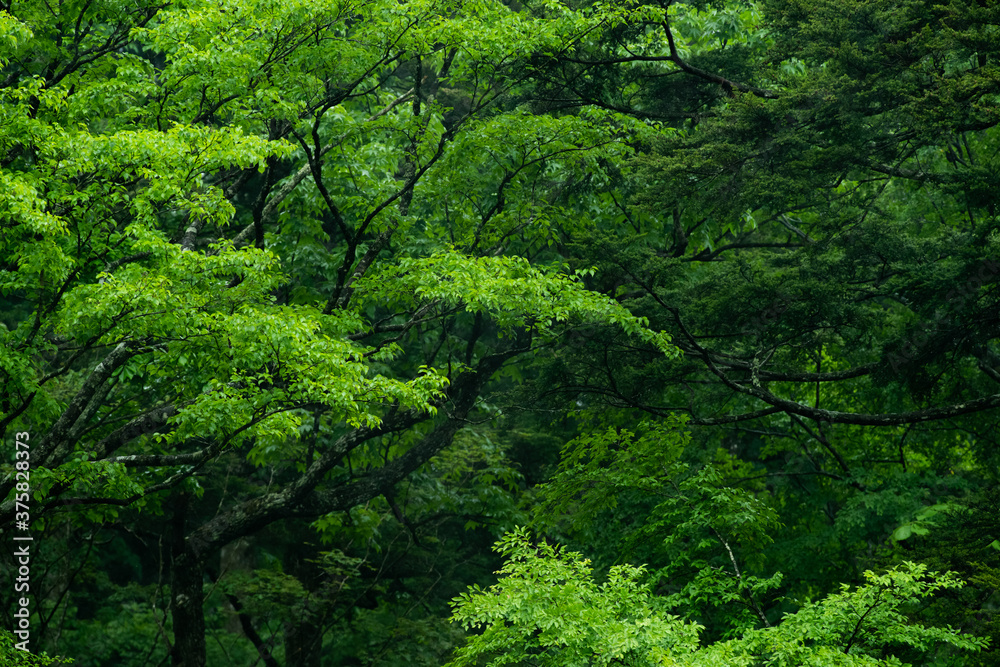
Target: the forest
(453, 333)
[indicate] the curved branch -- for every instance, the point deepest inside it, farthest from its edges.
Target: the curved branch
(708, 76)
(729, 419)
(91, 387)
(739, 576)
(148, 422)
(835, 416)
(301, 497)
(774, 376)
(277, 196)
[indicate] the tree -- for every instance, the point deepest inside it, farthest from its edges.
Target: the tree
(283, 283)
(817, 233)
(254, 238)
(820, 221)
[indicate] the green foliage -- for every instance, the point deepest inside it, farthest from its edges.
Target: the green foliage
(275, 272)
(676, 514)
(14, 657)
(547, 610)
(517, 294)
(596, 468)
(960, 539)
(861, 626)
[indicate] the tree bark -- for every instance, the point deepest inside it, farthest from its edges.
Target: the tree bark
(187, 596)
(303, 640)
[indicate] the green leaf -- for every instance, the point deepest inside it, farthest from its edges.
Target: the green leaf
(903, 532)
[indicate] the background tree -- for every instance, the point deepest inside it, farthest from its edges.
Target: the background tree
(811, 234)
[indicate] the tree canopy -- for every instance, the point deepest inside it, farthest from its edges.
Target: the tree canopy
(304, 305)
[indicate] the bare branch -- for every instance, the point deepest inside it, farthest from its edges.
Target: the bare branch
(708, 76)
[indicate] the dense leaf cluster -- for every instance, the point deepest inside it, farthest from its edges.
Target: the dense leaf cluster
(304, 305)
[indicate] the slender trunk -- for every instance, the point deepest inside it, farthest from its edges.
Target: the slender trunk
(303, 640)
(304, 629)
(187, 607)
